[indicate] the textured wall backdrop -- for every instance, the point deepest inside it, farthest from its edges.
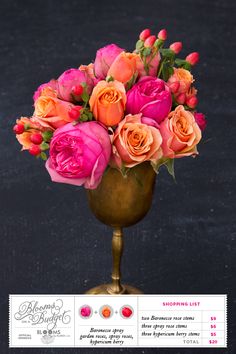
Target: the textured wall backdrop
(49, 241)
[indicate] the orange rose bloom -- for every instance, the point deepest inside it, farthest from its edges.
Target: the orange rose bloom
(183, 77)
(124, 67)
(135, 142)
(32, 128)
(180, 133)
(107, 102)
(51, 111)
(106, 312)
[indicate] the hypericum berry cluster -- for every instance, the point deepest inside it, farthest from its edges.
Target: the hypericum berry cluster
(36, 139)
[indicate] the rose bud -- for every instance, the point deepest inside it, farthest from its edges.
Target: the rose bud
(162, 34)
(176, 47)
(36, 138)
(145, 34)
(34, 150)
(149, 41)
(19, 128)
(201, 120)
(180, 99)
(192, 102)
(192, 58)
(174, 86)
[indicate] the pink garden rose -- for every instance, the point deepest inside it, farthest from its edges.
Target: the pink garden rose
(79, 154)
(201, 120)
(69, 83)
(52, 84)
(151, 97)
(104, 58)
(180, 134)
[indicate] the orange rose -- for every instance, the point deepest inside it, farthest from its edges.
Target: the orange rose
(107, 102)
(182, 78)
(124, 67)
(32, 128)
(51, 111)
(180, 134)
(136, 142)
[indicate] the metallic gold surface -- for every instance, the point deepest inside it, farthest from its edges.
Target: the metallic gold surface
(120, 202)
(123, 201)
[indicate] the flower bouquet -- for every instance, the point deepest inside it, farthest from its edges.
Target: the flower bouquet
(111, 125)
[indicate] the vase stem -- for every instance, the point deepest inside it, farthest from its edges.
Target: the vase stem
(117, 250)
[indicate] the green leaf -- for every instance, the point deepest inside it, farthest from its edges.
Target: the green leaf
(165, 71)
(83, 117)
(167, 53)
(109, 78)
(180, 62)
(169, 163)
(170, 167)
(85, 97)
(83, 84)
(171, 71)
(47, 135)
(90, 115)
(187, 66)
(139, 44)
(43, 156)
(44, 146)
(156, 165)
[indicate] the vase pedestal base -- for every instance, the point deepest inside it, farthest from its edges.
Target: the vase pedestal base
(107, 289)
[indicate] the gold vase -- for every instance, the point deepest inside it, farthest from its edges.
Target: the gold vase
(120, 202)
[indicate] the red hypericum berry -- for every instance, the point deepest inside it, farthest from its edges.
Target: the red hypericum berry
(74, 113)
(192, 58)
(145, 34)
(150, 41)
(36, 138)
(180, 99)
(34, 150)
(18, 129)
(176, 47)
(126, 312)
(174, 86)
(162, 34)
(192, 102)
(77, 90)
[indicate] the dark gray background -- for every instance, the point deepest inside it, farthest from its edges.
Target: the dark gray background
(50, 242)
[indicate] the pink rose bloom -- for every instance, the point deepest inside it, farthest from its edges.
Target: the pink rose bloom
(180, 134)
(79, 154)
(69, 83)
(151, 97)
(201, 120)
(52, 84)
(104, 58)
